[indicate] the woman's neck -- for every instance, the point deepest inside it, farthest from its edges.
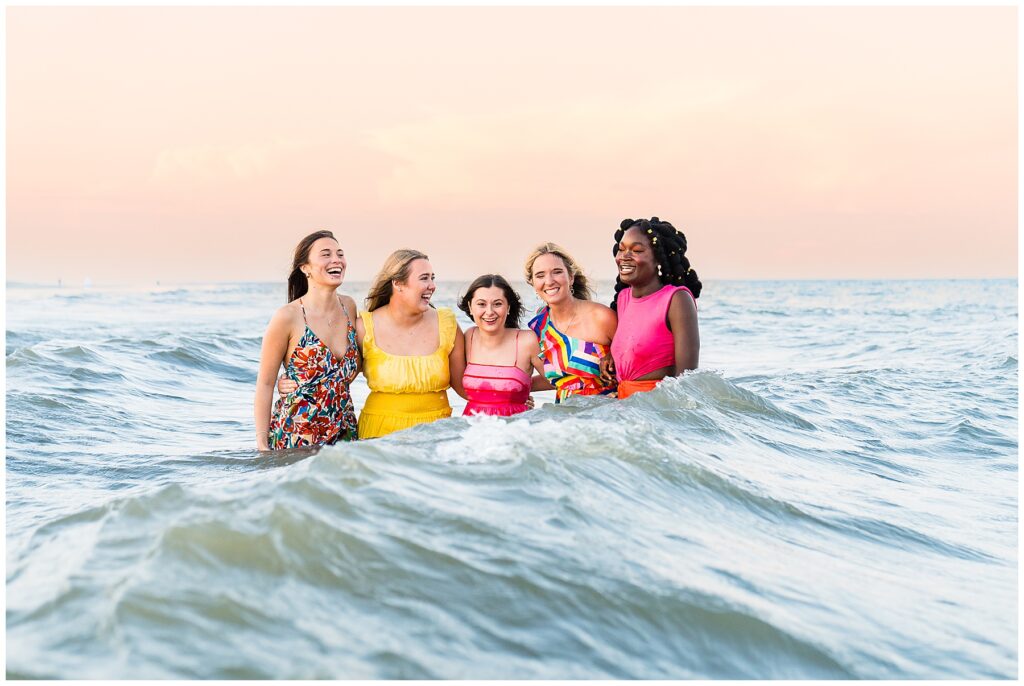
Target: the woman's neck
(404, 315)
(491, 339)
(320, 298)
(564, 309)
(643, 290)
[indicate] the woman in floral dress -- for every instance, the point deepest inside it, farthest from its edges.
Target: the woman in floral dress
(314, 336)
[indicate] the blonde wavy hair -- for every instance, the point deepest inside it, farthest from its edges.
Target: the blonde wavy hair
(396, 268)
(580, 286)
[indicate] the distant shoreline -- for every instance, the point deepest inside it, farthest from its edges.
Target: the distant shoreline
(361, 282)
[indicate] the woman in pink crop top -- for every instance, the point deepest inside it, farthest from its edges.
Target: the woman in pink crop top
(500, 357)
(655, 299)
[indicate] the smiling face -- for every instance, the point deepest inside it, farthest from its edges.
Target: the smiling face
(489, 308)
(551, 279)
(418, 287)
(635, 258)
(326, 264)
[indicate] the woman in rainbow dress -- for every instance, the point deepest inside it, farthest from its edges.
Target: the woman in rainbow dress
(575, 333)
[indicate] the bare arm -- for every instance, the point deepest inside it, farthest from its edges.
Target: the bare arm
(529, 349)
(457, 363)
(607, 321)
(682, 321)
(540, 383)
(275, 345)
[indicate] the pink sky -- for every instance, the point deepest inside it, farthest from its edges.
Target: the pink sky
(199, 144)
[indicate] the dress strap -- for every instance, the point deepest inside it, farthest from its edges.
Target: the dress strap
(367, 318)
(301, 307)
(515, 362)
(344, 309)
(469, 342)
(447, 327)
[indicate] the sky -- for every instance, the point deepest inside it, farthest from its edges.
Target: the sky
(201, 144)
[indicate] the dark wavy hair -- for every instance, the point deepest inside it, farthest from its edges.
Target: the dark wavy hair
(298, 284)
(669, 247)
(515, 305)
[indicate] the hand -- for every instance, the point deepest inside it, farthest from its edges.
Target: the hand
(607, 370)
(529, 402)
(286, 385)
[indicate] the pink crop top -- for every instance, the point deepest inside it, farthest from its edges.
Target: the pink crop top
(643, 342)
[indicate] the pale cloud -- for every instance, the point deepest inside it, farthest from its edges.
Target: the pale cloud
(214, 164)
(543, 152)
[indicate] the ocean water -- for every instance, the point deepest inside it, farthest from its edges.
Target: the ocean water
(833, 495)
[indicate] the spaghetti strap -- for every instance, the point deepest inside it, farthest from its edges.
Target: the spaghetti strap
(515, 362)
(345, 310)
(469, 341)
(301, 307)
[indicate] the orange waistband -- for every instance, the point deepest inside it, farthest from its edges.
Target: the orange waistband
(628, 388)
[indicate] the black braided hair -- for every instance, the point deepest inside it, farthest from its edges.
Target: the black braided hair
(669, 247)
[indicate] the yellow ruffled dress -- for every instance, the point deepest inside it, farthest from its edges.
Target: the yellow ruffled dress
(405, 390)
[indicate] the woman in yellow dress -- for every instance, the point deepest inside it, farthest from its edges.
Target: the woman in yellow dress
(412, 353)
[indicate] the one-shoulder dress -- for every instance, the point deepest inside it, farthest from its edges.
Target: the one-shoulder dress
(571, 365)
(405, 390)
(320, 411)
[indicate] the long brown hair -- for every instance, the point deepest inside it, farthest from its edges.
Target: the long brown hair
(396, 268)
(298, 284)
(580, 286)
(515, 305)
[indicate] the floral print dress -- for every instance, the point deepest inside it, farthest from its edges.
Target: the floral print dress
(320, 411)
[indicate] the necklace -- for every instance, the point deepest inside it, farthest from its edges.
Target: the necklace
(572, 320)
(330, 317)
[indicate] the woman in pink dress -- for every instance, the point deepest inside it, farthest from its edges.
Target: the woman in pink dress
(500, 357)
(656, 302)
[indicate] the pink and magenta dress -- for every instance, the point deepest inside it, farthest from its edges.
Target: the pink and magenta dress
(500, 390)
(643, 342)
(320, 411)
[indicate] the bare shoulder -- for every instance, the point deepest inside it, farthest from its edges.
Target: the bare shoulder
(287, 315)
(527, 341)
(602, 314)
(684, 302)
(350, 304)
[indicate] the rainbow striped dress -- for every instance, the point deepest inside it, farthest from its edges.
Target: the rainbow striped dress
(571, 365)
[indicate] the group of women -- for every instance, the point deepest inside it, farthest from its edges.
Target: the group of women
(410, 352)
